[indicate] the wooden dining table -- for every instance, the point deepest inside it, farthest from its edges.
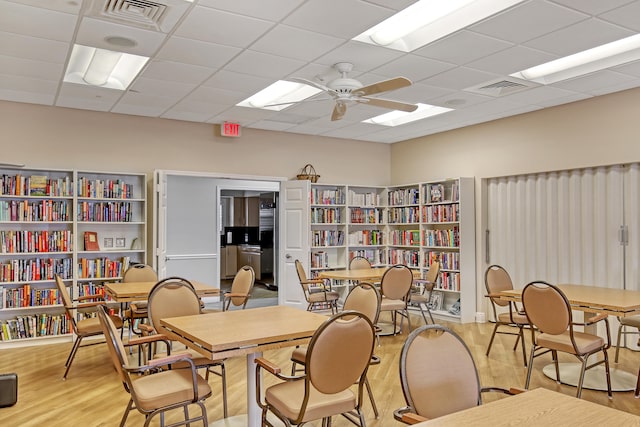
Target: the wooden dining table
(534, 408)
(592, 299)
(124, 292)
(245, 333)
(365, 274)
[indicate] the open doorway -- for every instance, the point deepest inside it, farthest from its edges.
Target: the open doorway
(249, 237)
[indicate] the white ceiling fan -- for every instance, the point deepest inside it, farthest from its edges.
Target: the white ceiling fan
(345, 90)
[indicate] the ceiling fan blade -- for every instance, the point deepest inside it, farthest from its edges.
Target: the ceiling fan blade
(387, 103)
(383, 86)
(297, 102)
(310, 83)
(338, 111)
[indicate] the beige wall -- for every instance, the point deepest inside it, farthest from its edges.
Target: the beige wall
(596, 131)
(63, 138)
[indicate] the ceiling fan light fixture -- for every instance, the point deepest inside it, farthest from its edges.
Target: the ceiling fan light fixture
(103, 68)
(397, 118)
(428, 20)
(588, 61)
(279, 95)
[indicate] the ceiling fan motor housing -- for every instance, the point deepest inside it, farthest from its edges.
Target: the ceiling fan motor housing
(344, 85)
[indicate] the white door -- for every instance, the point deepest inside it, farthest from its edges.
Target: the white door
(187, 231)
(294, 241)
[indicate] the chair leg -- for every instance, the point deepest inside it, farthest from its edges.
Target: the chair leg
(524, 351)
(493, 335)
(72, 355)
(608, 373)
(555, 360)
(126, 413)
(583, 368)
(618, 341)
(637, 393)
(223, 375)
(373, 401)
(530, 367)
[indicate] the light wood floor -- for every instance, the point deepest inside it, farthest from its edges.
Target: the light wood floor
(93, 396)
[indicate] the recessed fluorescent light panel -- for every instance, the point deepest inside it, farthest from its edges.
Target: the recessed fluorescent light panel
(280, 95)
(103, 68)
(585, 62)
(428, 20)
(397, 118)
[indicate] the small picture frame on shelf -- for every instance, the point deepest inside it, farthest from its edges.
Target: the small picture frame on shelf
(108, 242)
(435, 301)
(121, 242)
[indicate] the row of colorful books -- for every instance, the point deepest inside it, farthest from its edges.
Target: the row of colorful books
(441, 213)
(326, 216)
(36, 241)
(404, 237)
(327, 238)
(104, 189)
(29, 270)
(366, 237)
(404, 196)
(41, 210)
(327, 197)
(27, 296)
(105, 211)
(366, 215)
(32, 326)
(102, 267)
(404, 215)
(364, 199)
(35, 185)
(445, 238)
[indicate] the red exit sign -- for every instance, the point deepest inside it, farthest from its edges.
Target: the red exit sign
(230, 129)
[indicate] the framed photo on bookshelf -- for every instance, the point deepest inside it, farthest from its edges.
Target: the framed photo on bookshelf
(435, 300)
(108, 242)
(120, 242)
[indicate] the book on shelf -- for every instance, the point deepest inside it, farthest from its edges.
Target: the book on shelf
(38, 185)
(91, 241)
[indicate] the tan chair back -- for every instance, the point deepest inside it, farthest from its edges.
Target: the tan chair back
(114, 343)
(396, 282)
(496, 279)
(140, 273)
(432, 275)
(359, 263)
(302, 277)
(339, 352)
(243, 284)
(172, 297)
(67, 301)
(432, 388)
(547, 308)
(364, 298)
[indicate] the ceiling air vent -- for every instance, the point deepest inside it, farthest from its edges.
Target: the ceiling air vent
(501, 87)
(144, 14)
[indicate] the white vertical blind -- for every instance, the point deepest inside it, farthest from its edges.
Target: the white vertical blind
(632, 220)
(563, 227)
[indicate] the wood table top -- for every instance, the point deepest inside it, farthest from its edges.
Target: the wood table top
(137, 291)
(594, 299)
(237, 332)
(539, 407)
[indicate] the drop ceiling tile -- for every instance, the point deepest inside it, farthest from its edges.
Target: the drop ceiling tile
(94, 32)
(592, 7)
(575, 96)
(271, 10)
(242, 115)
(205, 109)
(215, 96)
(67, 6)
(351, 131)
(616, 87)
(538, 94)
(237, 82)
(263, 65)
(142, 105)
(527, 21)
(627, 16)
(593, 81)
(196, 52)
(216, 26)
(168, 89)
(413, 67)
(271, 125)
(363, 56)
(511, 60)
(291, 42)
(75, 96)
(460, 78)
(418, 92)
(632, 69)
(461, 100)
(28, 97)
(578, 37)
(336, 17)
(36, 22)
(462, 47)
(30, 68)
(27, 84)
(396, 5)
(21, 46)
(185, 116)
(172, 71)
